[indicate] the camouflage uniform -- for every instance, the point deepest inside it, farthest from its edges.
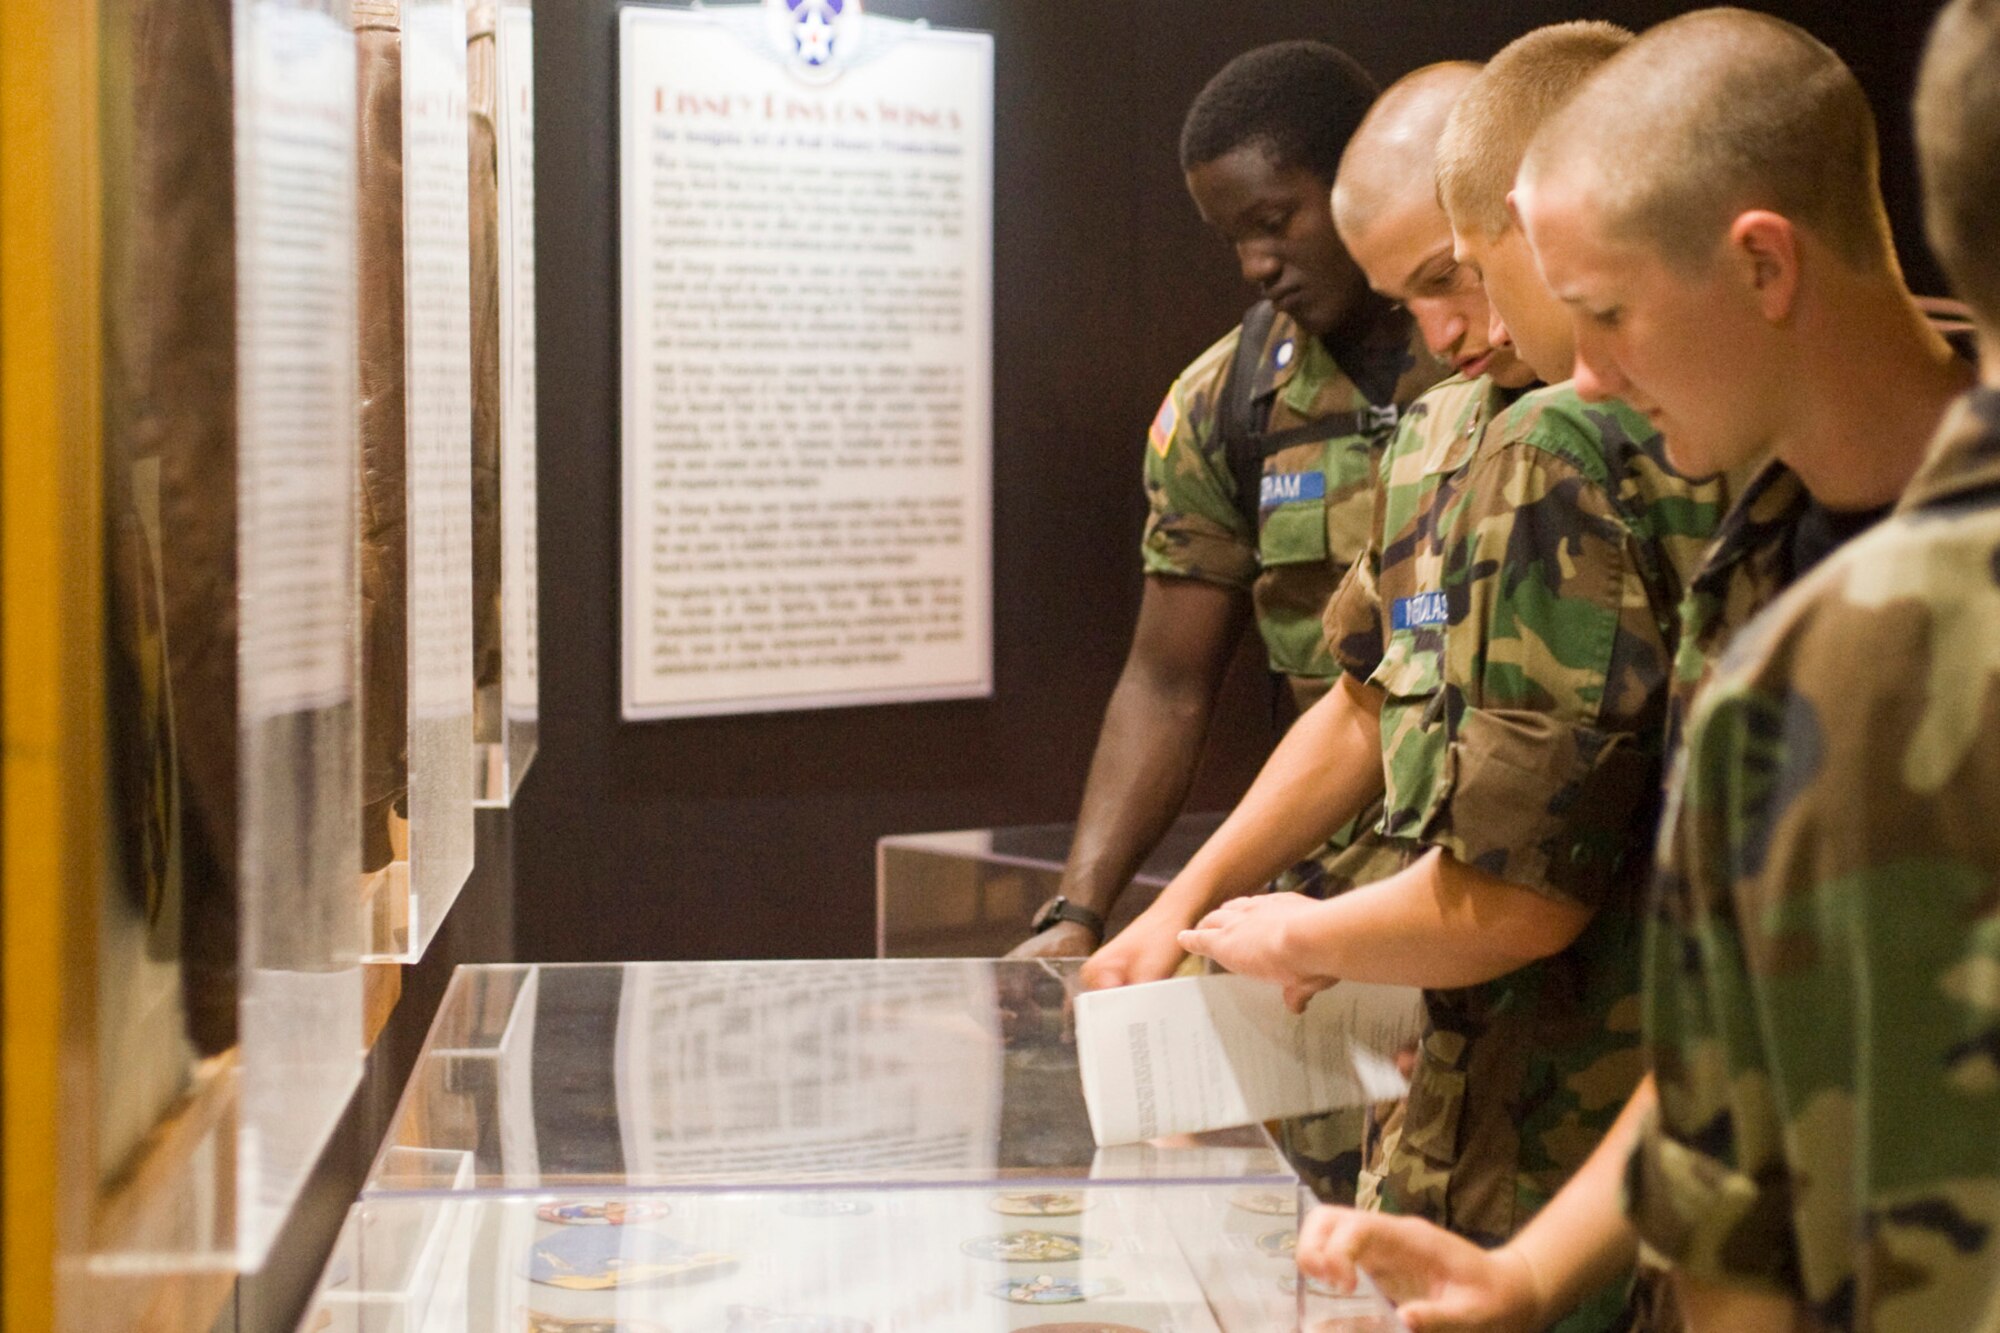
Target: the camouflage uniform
(1516, 610)
(1755, 557)
(1319, 497)
(1319, 503)
(1823, 976)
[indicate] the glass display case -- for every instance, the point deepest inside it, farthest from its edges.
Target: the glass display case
(851, 1146)
(970, 893)
(500, 81)
(221, 951)
(415, 298)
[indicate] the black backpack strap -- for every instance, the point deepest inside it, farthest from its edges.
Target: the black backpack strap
(1238, 421)
(1377, 423)
(1245, 442)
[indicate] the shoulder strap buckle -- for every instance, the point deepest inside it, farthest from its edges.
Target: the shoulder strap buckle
(1378, 421)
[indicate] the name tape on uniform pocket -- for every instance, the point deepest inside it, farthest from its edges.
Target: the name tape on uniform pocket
(1283, 488)
(1419, 612)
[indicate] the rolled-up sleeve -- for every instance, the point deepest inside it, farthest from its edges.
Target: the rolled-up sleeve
(1555, 684)
(1554, 806)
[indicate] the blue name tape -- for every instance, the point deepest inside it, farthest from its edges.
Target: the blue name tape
(1418, 612)
(1282, 488)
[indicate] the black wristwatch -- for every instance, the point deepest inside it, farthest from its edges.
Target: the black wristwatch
(1060, 908)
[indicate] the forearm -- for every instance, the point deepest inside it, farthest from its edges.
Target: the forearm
(1437, 923)
(1140, 775)
(1580, 1241)
(1323, 772)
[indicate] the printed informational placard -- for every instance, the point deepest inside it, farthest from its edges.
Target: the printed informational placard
(295, 292)
(299, 989)
(516, 121)
(438, 323)
(438, 389)
(807, 316)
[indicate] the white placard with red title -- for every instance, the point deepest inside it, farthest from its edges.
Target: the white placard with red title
(806, 222)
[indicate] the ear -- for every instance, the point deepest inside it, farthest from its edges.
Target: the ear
(1765, 248)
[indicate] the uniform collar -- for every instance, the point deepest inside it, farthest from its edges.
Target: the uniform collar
(1770, 506)
(1285, 349)
(1485, 403)
(1288, 349)
(1964, 457)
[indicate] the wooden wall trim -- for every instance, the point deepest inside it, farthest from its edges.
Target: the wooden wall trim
(51, 774)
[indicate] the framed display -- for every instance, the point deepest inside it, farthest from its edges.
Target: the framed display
(806, 221)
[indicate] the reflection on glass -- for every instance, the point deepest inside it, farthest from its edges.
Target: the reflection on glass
(840, 1147)
(738, 1075)
(971, 893)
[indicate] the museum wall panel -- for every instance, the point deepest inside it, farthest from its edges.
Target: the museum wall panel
(753, 836)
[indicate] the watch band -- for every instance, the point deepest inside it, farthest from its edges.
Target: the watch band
(1060, 908)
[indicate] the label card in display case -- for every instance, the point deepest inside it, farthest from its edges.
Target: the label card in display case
(806, 221)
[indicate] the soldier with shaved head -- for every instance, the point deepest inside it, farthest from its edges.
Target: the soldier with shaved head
(1385, 203)
(1505, 640)
(1820, 1150)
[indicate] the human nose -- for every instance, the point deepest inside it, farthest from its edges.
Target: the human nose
(1441, 326)
(1598, 376)
(1261, 265)
(1496, 329)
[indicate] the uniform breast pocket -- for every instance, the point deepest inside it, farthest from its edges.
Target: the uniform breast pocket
(1291, 523)
(1415, 734)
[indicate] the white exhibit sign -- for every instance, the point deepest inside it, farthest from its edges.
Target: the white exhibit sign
(806, 221)
(295, 358)
(515, 40)
(438, 357)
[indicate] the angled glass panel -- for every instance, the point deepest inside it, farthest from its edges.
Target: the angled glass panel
(506, 712)
(417, 469)
(971, 893)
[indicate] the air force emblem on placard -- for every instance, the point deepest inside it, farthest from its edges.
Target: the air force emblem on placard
(816, 37)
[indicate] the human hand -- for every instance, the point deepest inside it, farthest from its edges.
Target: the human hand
(1065, 939)
(1440, 1283)
(1144, 951)
(1252, 937)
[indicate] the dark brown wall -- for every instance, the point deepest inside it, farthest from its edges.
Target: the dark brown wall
(753, 837)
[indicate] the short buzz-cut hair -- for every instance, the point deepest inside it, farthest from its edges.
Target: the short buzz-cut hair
(1297, 101)
(1712, 114)
(1497, 115)
(1958, 149)
(1393, 154)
